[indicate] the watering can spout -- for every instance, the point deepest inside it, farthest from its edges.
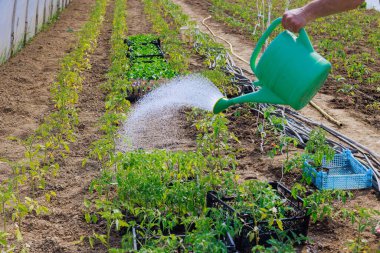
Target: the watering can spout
(264, 95)
(221, 105)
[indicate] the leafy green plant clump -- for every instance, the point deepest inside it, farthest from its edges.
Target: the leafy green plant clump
(143, 45)
(150, 69)
(147, 61)
(144, 50)
(158, 192)
(142, 39)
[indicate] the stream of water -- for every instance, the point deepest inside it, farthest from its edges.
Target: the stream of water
(153, 121)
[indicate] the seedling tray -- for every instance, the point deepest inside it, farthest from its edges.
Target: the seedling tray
(139, 89)
(179, 231)
(344, 172)
(297, 221)
(156, 43)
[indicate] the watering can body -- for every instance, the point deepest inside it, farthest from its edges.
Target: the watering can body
(289, 72)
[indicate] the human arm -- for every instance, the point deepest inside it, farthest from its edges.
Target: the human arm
(295, 19)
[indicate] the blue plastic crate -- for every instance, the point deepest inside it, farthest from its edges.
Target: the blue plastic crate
(343, 172)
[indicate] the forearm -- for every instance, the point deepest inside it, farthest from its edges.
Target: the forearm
(321, 8)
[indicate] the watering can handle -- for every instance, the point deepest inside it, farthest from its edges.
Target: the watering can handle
(303, 37)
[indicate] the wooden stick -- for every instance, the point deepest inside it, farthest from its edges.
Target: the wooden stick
(325, 114)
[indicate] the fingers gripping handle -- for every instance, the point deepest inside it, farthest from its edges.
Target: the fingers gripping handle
(303, 37)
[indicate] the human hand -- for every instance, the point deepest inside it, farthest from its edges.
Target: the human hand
(294, 20)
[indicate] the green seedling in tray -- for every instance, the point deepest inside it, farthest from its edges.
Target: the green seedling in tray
(144, 50)
(142, 39)
(151, 70)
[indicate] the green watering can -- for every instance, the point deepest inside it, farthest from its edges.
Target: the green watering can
(290, 72)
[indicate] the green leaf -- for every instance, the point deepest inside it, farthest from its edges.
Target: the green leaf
(279, 224)
(81, 239)
(87, 217)
(91, 241)
(251, 236)
(18, 235)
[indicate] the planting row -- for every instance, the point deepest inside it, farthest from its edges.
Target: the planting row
(50, 142)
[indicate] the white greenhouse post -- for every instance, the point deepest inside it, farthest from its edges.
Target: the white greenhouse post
(13, 27)
(51, 9)
(41, 14)
(6, 29)
(44, 19)
(32, 19)
(36, 23)
(26, 23)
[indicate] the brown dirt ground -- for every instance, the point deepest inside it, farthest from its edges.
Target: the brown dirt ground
(65, 224)
(26, 77)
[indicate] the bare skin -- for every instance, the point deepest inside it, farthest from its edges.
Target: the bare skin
(293, 20)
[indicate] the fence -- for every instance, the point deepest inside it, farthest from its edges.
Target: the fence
(20, 20)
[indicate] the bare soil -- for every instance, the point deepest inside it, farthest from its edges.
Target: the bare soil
(26, 77)
(58, 231)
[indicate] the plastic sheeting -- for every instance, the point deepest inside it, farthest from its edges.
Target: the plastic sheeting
(48, 9)
(31, 19)
(21, 19)
(54, 6)
(19, 25)
(40, 13)
(6, 7)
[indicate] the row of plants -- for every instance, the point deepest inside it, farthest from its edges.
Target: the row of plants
(320, 203)
(169, 35)
(351, 46)
(50, 143)
(117, 106)
(137, 202)
(214, 54)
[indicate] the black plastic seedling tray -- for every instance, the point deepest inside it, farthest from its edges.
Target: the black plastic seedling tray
(179, 231)
(297, 221)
